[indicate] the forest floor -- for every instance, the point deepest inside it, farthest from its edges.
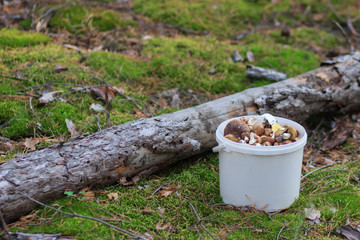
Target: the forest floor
(58, 58)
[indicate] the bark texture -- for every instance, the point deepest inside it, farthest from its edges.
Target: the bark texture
(144, 146)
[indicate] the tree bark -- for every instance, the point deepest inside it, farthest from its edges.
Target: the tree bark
(144, 146)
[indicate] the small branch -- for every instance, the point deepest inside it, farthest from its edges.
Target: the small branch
(334, 12)
(352, 49)
(81, 89)
(15, 78)
(161, 186)
(98, 123)
(120, 93)
(130, 234)
(108, 123)
(31, 106)
(197, 230)
(3, 224)
(350, 26)
(318, 169)
(200, 220)
(278, 236)
(124, 76)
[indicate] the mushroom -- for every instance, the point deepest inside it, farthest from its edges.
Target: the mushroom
(292, 131)
(253, 138)
(236, 127)
(231, 137)
(286, 135)
(267, 131)
(276, 127)
(270, 118)
(258, 128)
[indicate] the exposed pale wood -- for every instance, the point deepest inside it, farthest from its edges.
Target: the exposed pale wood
(264, 74)
(144, 146)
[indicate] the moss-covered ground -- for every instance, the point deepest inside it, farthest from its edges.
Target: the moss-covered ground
(144, 208)
(148, 49)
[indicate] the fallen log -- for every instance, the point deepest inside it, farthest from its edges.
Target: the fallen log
(144, 146)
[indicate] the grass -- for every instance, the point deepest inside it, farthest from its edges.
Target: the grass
(333, 191)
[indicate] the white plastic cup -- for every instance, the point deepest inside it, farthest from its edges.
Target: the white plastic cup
(264, 177)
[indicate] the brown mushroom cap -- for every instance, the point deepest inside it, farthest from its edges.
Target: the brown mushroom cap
(258, 128)
(236, 127)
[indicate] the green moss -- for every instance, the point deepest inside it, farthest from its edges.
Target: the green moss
(25, 24)
(14, 118)
(286, 59)
(305, 37)
(185, 62)
(16, 38)
(197, 183)
(36, 64)
(112, 64)
(52, 118)
(78, 18)
(222, 17)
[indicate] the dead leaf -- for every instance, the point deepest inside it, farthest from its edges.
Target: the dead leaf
(162, 227)
(148, 236)
(89, 195)
(72, 128)
(139, 114)
(6, 144)
(169, 191)
(30, 143)
(113, 195)
(136, 179)
(338, 135)
(349, 232)
(30, 217)
(236, 56)
(147, 210)
(307, 168)
(312, 215)
(250, 56)
(100, 92)
(60, 68)
(175, 102)
(96, 107)
(160, 210)
(124, 182)
(317, 16)
(48, 97)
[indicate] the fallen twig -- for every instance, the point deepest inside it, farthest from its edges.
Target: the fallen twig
(200, 220)
(281, 229)
(124, 76)
(4, 225)
(351, 46)
(82, 89)
(326, 166)
(120, 93)
(73, 214)
(15, 78)
(350, 26)
(334, 12)
(98, 123)
(161, 186)
(197, 230)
